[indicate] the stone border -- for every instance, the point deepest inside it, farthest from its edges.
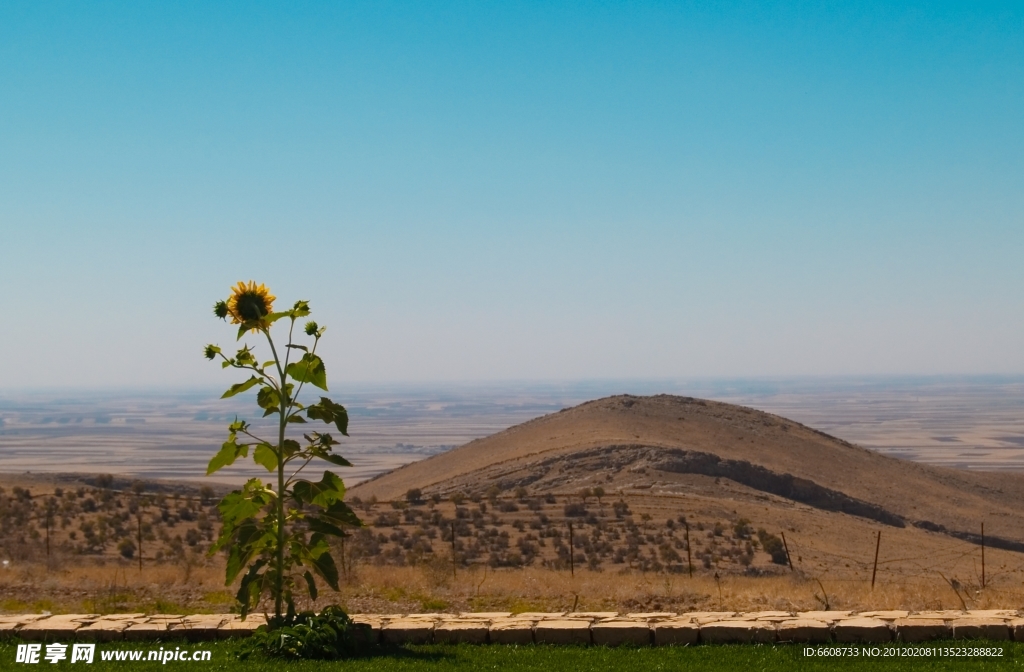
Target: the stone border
(579, 628)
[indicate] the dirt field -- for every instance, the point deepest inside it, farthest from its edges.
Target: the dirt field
(610, 505)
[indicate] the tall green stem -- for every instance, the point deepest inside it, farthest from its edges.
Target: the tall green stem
(279, 560)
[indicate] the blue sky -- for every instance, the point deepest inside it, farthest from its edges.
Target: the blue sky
(481, 191)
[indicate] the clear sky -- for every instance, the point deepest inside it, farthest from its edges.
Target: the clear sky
(480, 191)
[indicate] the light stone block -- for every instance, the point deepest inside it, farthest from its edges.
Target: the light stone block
(453, 632)
(1005, 614)
(55, 627)
(236, 627)
(804, 631)
(776, 616)
(981, 628)
(517, 631)
(592, 615)
(921, 629)
(653, 615)
(675, 633)
(862, 631)
(888, 615)
(617, 633)
(413, 631)
(737, 632)
(824, 616)
(562, 631)
(199, 628)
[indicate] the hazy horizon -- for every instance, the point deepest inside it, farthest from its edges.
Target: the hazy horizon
(973, 423)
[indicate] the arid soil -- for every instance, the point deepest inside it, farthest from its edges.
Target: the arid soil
(624, 503)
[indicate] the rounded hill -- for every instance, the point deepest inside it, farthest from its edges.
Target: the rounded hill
(680, 447)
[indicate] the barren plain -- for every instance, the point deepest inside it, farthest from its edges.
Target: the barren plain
(651, 486)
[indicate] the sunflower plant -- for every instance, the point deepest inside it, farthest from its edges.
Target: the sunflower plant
(277, 531)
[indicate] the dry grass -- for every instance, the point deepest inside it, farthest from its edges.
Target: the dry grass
(111, 587)
(102, 586)
(432, 588)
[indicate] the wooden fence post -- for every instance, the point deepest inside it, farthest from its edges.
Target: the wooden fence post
(874, 571)
(689, 558)
(138, 519)
(788, 558)
(983, 555)
(572, 559)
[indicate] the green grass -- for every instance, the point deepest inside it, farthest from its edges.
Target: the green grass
(520, 659)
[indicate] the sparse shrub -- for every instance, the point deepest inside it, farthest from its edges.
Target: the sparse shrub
(773, 546)
(742, 529)
(575, 509)
(126, 548)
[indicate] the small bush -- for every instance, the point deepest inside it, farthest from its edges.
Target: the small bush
(327, 636)
(126, 548)
(773, 546)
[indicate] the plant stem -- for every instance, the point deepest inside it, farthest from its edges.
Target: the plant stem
(279, 560)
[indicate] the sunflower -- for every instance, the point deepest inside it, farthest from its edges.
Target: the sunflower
(250, 303)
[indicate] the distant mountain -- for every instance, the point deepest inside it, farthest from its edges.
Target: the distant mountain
(667, 452)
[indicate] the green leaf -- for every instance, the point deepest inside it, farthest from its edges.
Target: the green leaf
(298, 347)
(228, 453)
(310, 584)
(310, 369)
(241, 387)
(329, 412)
(274, 317)
(240, 505)
(295, 417)
(241, 550)
(339, 513)
(269, 399)
(291, 447)
(336, 459)
(325, 567)
(323, 493)
(266, 456)
(250, 588)
(324, 527)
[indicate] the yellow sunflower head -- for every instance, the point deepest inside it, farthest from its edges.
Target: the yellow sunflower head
(249, 303)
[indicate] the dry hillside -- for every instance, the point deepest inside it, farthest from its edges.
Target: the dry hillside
(729, 470)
